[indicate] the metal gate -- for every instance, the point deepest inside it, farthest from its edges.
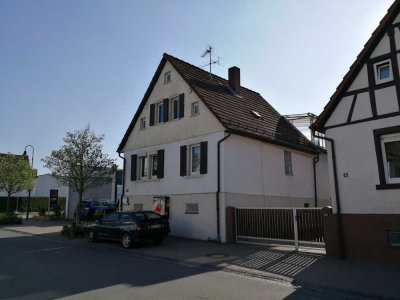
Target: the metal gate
(298, 225)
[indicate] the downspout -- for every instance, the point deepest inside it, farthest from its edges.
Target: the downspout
(315, 161)
(121, 204)
(337, 198)
(219, 187)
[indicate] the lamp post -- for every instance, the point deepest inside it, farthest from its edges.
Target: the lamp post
(29, 191)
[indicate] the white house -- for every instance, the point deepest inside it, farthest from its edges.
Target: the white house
(362, 121)
(207, 143)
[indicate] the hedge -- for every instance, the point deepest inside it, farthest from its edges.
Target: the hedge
(36, 202)
(6, 219)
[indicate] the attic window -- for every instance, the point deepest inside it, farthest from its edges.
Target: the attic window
(383, 71)
(256, 114)
(167, 77)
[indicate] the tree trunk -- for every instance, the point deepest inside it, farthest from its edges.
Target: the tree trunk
(8, 202)
(78, 209)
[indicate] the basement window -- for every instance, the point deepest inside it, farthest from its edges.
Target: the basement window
(192, 208)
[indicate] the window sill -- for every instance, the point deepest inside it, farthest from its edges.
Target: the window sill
(194, 176)
(388, 186)
(148, 180)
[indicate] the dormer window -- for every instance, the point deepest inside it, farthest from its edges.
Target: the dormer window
(383, 72)
(167, 77)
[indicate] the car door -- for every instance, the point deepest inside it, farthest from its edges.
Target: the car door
(108, 225)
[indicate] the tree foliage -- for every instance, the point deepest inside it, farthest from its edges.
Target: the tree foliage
(80, 162)
(16, 175)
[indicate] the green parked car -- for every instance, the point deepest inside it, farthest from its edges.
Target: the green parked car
(129, 227)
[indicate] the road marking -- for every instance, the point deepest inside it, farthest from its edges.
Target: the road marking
(43, 250)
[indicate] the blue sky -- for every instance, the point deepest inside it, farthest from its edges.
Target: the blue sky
(66, 64)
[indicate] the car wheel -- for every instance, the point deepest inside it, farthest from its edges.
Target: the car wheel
(91, 235)
(126, 240)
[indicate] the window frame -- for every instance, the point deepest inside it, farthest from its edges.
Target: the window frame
(378, 66)
(288, 163)
(172, 109)
(151, 166)
(190, 164)
(381, 157)
(395, 137)
(195, 104)
(141, 165)
(159, 117)
(142, 123)
(167, 77)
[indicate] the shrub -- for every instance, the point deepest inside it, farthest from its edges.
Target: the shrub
(34, 204)
(42, 210)
(6, 219)
(66, 230)
(57, 211)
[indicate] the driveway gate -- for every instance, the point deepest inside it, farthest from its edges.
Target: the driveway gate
(260, 225)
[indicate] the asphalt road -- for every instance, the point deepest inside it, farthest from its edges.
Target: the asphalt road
(35, 267)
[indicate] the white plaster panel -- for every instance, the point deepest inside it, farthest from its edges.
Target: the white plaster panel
(397, 37)
(386, 100)
(356, 157)
(361, 80)
(173, 183)
(202, 226)
(341, 112)
(362, 109)
(382, 48)
(170, 131)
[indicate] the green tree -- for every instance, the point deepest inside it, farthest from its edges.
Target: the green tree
(16, 175)
(80, 162)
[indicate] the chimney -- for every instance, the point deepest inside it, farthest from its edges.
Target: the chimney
(234, 79)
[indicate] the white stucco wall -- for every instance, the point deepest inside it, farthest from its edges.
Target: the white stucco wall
(180, 129)
(355, 155)
(255, 168)
(362, 108)
(361, 80)
(341, 112)
(386, 100)
(382, 48)
(173, 183)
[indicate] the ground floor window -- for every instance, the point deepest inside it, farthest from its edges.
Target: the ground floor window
(391, 157)
(387, 147)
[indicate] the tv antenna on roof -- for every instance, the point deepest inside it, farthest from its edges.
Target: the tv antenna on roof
(208, 52)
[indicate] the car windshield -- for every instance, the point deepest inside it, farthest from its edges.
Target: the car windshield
(151, 215)
(105, 203)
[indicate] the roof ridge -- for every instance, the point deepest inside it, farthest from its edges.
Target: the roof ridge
(166, 55)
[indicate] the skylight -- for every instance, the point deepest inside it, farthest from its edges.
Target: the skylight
(256, 114)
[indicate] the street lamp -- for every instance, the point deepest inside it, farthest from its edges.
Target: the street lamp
(29, 191)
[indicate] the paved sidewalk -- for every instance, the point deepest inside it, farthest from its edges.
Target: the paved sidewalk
(308, 270)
